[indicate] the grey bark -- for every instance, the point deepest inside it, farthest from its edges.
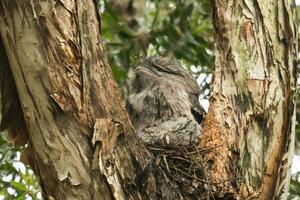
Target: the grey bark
(252, 109)
(82, 144)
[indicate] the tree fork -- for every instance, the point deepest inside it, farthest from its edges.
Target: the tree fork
(83, 144)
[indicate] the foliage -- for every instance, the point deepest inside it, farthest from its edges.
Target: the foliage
(15, 183)
(294, 192)
(176, 28)
(181, 29)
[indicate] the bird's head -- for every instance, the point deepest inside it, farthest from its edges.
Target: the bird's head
(156, 70)
(162, 88)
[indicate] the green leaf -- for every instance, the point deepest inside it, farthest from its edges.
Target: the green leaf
(18, 186)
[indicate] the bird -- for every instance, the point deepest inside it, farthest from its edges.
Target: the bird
(163, 103)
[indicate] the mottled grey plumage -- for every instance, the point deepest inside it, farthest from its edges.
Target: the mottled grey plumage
(163, 103)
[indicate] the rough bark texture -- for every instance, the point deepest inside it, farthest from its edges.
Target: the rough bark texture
(82, 144)
(252, 104)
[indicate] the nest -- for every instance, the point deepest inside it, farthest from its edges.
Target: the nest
(184, 170)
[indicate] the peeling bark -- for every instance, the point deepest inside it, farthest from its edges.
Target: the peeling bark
(82, 144)
(251, 117)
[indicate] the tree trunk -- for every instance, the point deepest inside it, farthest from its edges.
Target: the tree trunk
(251, 120)
(81, 142)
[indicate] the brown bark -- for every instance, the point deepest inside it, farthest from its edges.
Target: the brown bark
(82, 143)
(251, 117)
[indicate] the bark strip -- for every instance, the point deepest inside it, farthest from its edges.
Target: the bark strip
(82, 143)
(252, 103)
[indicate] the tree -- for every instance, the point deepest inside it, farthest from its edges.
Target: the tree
(81, 142)
(252, 106)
